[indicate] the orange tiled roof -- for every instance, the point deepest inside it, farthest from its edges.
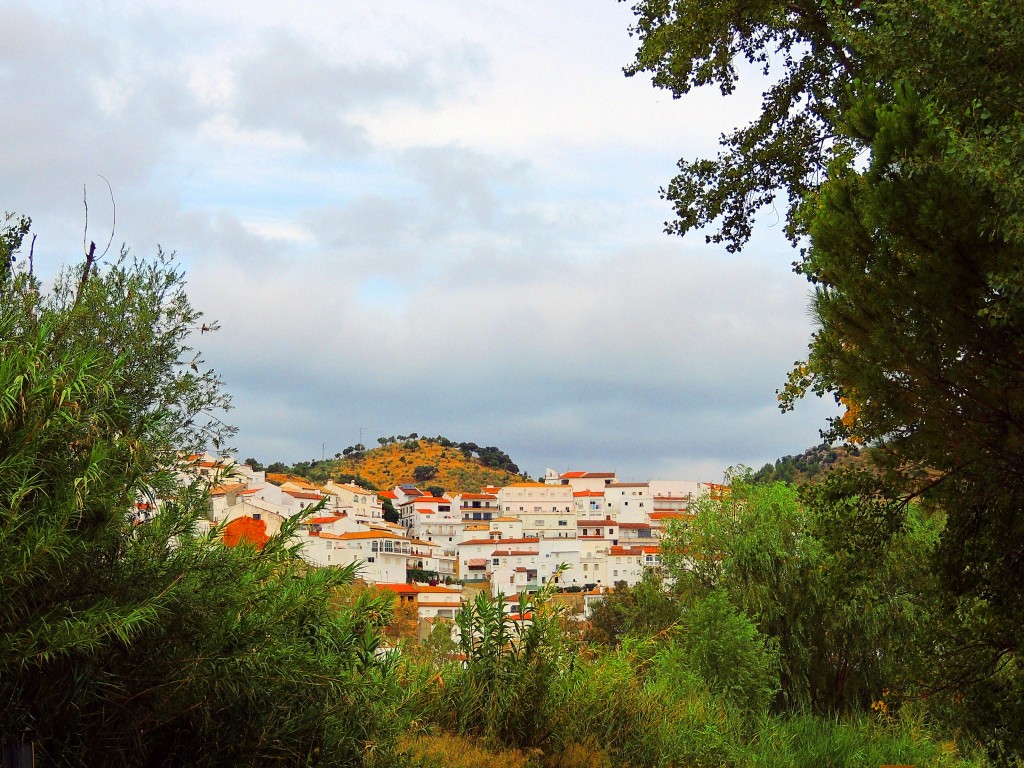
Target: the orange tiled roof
(220, 490)
(669, 515)
(419, 589)
(353, 535)
(527, 540)
(513, 553)
(304, 495)
(245, 529)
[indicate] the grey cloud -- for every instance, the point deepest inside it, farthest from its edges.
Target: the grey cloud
(289, 88)
(574, 382)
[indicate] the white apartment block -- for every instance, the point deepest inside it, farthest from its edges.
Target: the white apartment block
(628, 502)
(547, 511)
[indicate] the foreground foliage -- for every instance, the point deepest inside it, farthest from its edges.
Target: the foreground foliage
(894, 127)
(131, 642)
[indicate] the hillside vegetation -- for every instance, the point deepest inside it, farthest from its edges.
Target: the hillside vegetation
(811, 465)
(429, 462)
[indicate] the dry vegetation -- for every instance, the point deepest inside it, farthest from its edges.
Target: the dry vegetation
(393, 465)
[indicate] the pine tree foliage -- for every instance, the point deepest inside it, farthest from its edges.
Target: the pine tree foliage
(895, 128)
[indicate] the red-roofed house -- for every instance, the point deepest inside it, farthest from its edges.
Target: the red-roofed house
(245, 530)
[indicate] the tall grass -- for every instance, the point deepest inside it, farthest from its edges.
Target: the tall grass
(524, 687)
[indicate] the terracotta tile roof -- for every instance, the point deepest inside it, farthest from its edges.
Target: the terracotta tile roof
(245, 529)
(671, 516)
(479, 496)
(513, 553)
(634, 551)
(321, 520)
(578, 494)
(528, 485)
(629, 485)
(353, 535)
(527, 540)
(424, 543)
(278, 478)
(221, 490)
(572, 475)
(635, 526)
(630, 551)
(304, 495)
(418, 589)
(476, 562)
(388, 495)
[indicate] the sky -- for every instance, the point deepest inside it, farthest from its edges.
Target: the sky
(416, 216)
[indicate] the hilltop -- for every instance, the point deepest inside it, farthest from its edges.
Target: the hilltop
(425, 461)
(811, 465)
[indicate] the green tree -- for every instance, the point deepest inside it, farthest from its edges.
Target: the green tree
(256, 465)
(843, 605)
(963, 54)
(895, 130)
(146, 643)
(424, 472)
(642, 610)
(389, 512)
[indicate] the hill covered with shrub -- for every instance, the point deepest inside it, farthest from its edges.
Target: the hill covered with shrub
(429, 462)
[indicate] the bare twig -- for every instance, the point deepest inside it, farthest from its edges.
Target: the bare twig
(113, 221)
(31, 254)
(85, 231)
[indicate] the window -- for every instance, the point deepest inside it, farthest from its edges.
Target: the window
(375, 547)
(563, 522)
(496, 561)
(615, 573)
(371, 559)
(389, 546)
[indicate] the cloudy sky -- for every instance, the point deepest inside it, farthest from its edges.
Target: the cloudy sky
(416, 216)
